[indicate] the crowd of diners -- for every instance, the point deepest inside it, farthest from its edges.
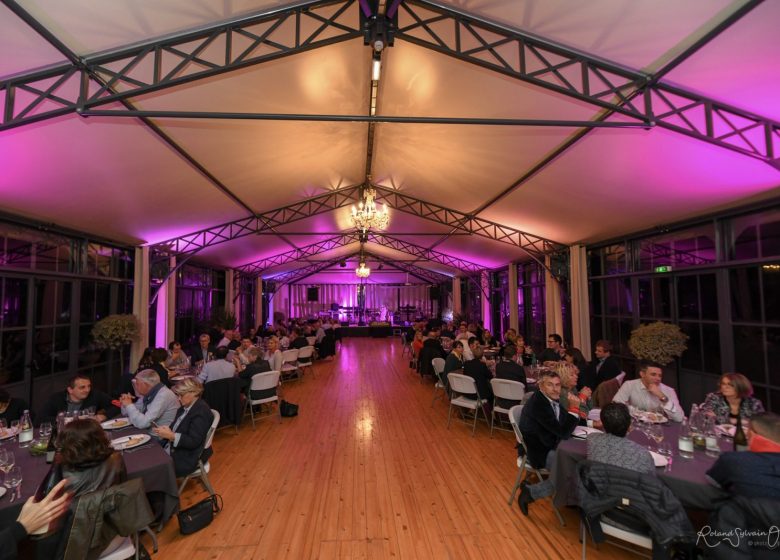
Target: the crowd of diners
(569, 387)
(173, 413)
(566, 390)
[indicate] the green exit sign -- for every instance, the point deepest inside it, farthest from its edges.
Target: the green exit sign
(665, 268)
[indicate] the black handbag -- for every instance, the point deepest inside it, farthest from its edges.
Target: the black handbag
(288, 409)
(196, 517)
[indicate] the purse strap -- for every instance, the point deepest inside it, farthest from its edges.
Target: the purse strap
(216, 501)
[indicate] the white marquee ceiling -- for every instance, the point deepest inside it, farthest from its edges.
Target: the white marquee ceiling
(116, 178)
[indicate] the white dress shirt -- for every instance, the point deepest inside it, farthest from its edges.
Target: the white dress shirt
(634, 394)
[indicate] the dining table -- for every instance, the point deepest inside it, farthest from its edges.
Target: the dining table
(685, 477)
(148, 462)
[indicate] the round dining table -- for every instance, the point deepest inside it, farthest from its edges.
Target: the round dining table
(685, 477)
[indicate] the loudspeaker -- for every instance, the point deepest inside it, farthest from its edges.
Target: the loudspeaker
(313, 294)
(334, 306)
(433, 293)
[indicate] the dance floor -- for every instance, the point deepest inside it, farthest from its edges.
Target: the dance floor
(369, 470)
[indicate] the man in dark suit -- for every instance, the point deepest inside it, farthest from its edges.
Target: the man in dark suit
(603, 368)
(203, 351)
(431, 349)
(554, 351)
(185, 438)
(508, 368)
(544, 423)
(479, 372)
(77, 396)
(255, 366)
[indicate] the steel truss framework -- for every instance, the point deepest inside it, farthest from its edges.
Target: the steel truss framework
(176, 60)
(257, 267)
(569, 72)
(229, 46)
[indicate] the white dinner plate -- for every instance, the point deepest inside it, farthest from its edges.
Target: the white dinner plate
(659, 460)
(115, 424)
(129, 442)
(651, 417)
(3, 490)
(581, 432)
(7, 434)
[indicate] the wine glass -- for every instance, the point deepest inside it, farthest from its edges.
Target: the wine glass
(13, 479)
(7, 461)
(656, 432)
(3, 458)
(15, 426)
(45, 429)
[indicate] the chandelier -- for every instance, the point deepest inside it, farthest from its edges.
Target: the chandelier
(367, 215)
(362, 271)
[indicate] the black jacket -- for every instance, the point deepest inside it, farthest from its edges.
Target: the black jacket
(509, 369)
(541, 431)
(193, 430)
(431, 349)
(605, 488)
(479, 372)
(16, 408)
(163, 373)
(608, 370)
(749, 514)
(224, 396)
(58, 402)
(196, 353)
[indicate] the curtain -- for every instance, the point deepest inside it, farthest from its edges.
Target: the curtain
(580, 309)
(378, 296)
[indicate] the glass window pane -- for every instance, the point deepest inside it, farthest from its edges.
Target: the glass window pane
(662, 296)
(89, 354)
(43, 347)
(595, 298)
(645, 297)
(770, 275)
(12, 347)
(692, 358)
(711, 348)
(708, 295)
(615, 259)
(18, 253)
(687, 297)
(745, 294)
(87, 301)
(749, 352)
(773, 358)
(770, 239)
(596, 330)
(745, 241)
(64, 298)
(626, 326)
(45, 302)
(594, 262)
(61, 349)
(102, 301)
(14, 303)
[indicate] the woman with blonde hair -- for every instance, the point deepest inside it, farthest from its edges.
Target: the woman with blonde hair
(733, 400)
(569, 373)
(272, 354)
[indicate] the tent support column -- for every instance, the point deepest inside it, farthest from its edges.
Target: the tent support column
(580, 309)
(552, 292)
(514, 320)
(140, 303)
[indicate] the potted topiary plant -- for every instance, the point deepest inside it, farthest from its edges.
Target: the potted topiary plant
(658, 342)
(115, 331)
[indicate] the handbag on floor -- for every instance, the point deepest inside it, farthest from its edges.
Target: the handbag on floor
(288, 409)
(200, 515)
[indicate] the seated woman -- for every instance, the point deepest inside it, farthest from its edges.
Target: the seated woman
(417, 343)
(734, 399)
(11, 408)
(272, 354)
(569, 374)
(487, 339)
(186, 437)
(87, 459)
(176, 356)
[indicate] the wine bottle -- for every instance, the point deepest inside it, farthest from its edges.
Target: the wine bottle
(740, 439)
(51, 447)
(26, 432)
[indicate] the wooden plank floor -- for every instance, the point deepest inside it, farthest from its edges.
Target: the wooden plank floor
(369, 470)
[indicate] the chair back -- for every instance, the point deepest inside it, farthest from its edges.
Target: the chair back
(312, 340)
(508, 389)
(462, 384)
(438, 366)
(265, 380)
(212, 429)
(224, 395)
(289, 355)
(305, 353)
(605, 392)
(514, 420)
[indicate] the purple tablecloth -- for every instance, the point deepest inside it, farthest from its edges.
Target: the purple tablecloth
(150, 463)
(685, 477)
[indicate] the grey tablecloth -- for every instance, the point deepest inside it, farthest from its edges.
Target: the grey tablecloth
(685, 477)
(150, 463)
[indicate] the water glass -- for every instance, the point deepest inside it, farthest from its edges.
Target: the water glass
(7, 460)
(13, 478)
(15, 425)
(45, 429)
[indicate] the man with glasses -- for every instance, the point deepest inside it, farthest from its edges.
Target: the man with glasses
(157, 405)
(555, 352)
(204, 352)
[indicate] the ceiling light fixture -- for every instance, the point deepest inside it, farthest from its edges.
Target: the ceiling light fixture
(362, 271)
(368, 215)
(376, 68)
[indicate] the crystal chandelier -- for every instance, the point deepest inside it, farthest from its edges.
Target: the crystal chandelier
(367, 215)
(362, 271)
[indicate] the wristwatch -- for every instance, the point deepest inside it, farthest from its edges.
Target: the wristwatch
(664, 399)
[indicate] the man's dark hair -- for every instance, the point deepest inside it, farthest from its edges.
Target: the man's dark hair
(72, 380)
(509, 351)
(767, 425)
(221, 352)
(605, 345)
(616, 419)
(556, 337)
(172, 344)
(473, 340)
(159, 355)
(644, 364)
(457, 344)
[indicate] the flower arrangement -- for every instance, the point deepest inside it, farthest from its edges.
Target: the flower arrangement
(115, 331)
(658, 342)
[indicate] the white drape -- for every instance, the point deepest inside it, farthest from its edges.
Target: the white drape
(580, 309)
(378, 296)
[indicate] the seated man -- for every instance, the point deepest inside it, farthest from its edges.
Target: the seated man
(156, 405)
(186, 437)
(479, 372)
(648, 393)
(544, 422)
(219, 368)
(79, 396)
(254, 366)
(468, 347)
(204, 351)
(297, 340)
(754, 473)
(555, 351)
(508, 368)
(613, 448)
(603, 368)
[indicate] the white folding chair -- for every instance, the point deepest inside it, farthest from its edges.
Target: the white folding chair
(438, 369)
(306, 359)
(504, 389)
(260, 381)
(637, 539)
(289, 365)
(463, 387)
(203, 469)
(522, 463)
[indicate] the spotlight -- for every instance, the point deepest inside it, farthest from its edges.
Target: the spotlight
(343, 264)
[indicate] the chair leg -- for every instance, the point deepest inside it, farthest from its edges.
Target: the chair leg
(492, 421)
(584, 538)
(204, 478)
(558, 513)
(279, 411)
(476, 414)
(184, 483)
(252, 414)
(518, 480)
(149, 532)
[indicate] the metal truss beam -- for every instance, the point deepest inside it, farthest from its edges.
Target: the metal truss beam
(587, 78)
(302, 273)
(685, 257)
(176, 60)
(257, 267)
(423, 274)
(534, 246)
